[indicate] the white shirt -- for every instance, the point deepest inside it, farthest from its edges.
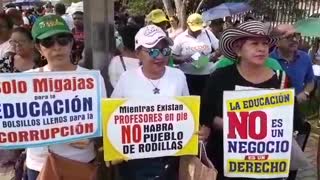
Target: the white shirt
(69, 20)
(25, 20)
(316, 70)
(36, 157)
(133, 83)
(5, 48)
(174, 33)
(116, 67)
(185, 45)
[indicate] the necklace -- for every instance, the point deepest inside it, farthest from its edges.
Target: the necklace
(156, 90)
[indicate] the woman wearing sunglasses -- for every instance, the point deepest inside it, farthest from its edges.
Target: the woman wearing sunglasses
(54, 41)
(153, 78)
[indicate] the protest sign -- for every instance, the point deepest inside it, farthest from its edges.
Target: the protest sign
(150, 127)
(39, 109)
(257, 128)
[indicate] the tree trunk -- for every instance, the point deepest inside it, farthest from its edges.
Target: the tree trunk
(168, 6)
(199, 6)
(181, 13)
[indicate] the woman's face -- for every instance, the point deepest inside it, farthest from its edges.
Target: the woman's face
(57, 49)
(21, 43)
(173, 22)
(253, 50)
(156, 58)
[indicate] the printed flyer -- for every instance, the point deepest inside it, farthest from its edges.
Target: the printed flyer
(39, 109)
(258, 128)
(150, 127)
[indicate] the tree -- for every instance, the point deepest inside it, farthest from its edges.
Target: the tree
(169, 8)
(142, 7)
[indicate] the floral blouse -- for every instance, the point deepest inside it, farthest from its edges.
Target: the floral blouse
(7, 65)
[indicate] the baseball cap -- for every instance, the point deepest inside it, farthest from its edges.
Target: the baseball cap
(157, 16)
(48, 26)
(195, 22)
(150, 36)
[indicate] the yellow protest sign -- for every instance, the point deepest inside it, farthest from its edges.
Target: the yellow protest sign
(257, 133)
(150, 127)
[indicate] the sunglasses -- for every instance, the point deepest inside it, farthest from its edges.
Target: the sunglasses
(154, 52)
(17, 42)
(62, 40)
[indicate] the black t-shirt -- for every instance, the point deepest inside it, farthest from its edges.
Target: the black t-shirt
(225, 79)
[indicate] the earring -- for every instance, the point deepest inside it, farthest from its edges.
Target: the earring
(238, 58)
(43, 58)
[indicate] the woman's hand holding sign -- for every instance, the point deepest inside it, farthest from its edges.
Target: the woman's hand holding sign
(204, 133)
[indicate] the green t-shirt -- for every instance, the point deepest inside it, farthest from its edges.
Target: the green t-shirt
(270, 62)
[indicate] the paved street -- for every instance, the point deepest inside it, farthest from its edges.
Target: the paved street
(7, 176)
(311, 152)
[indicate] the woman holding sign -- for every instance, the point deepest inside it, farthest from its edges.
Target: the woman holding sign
(54, 41)
(153, 78)
(249, 44)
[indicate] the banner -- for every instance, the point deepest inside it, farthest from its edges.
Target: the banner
(258, 128)
(150, 127)
(39, 109)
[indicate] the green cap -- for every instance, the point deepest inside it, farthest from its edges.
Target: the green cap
(48, 26)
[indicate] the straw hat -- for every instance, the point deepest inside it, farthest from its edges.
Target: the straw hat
(248, 29)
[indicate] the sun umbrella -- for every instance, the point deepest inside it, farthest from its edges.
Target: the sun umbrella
(26, 2)
(308, 27)
(225, 9)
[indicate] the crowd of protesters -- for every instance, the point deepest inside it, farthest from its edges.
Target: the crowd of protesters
(156, 57)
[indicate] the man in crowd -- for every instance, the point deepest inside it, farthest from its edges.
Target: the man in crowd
(216, 27)
(49, 8)
(228, 23)
(78, 34)
(16, 17)
(158, 18)
(297, 64)
(39, 11)
(60, 10)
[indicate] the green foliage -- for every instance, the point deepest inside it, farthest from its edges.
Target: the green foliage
(143, 7)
